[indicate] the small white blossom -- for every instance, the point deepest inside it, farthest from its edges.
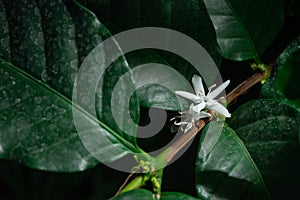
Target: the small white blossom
(190, 117)
(205, 101)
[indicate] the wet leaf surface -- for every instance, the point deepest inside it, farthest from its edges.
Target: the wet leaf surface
(272, 141)
(49, 40)
(224, 168)
(245, 28)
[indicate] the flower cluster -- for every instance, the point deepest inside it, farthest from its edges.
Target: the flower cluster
(201, 102)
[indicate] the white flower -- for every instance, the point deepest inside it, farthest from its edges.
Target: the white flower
(189, 117)
(206, 101)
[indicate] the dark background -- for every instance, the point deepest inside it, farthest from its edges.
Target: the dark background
(101, 182)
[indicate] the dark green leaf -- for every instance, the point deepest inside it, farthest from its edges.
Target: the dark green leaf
(270, 130)
(284, 81)
(224, 168)
(188, 17)
(37, 127)
(4, 34)
(26, 38)
(158, 82)
(245, 28)
(142, 194)
(49, 39)
(176, 196)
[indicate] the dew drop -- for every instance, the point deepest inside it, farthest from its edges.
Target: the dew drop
(36, 11)
(38, 100)
(45, 76)
(17, 101)
(4, 93)
(20, 120)
(52, 126)
(2, 120)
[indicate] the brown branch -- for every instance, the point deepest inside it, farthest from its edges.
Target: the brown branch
(244, 86)
(185, 138)
(239, 90)
(181, 142)
(124, 184)
(248, 83)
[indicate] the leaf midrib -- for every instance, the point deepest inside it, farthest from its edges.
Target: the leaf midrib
(72, 104)
(249, 38)
(264, 120)
(242, 146)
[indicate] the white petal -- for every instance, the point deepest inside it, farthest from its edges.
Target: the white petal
(188, 127)
(198, 86)
(217, 91)
(180, 123)
(188, 96)
(197, 108)
(219, 108)
(202, 115)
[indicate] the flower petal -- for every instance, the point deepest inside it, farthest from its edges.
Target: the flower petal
(198, 86)
(197, 108)
(202, 115)
(218, 90)
(219, 108)
(180, 123)
(188, 127)
(188, 96)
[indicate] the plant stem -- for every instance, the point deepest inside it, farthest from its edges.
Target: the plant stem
(184, 139)
(239, 90)
(166, 156)
(248, 83)
(124, 184)
(137, 182)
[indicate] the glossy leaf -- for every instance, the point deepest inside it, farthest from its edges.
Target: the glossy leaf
(224, 168)
(143, 194)
(36, 121)
(37, 126)
(270, 130)
(176, 196)
(135, 194)
(158, 81)
(284, 81)
(188, 17)
(4, 34)
(245, 28)
(25, 36)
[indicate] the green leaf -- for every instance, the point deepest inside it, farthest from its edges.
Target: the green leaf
(37, 127)
(188, 17)
(25, 35)
(135, 194)
(245, 28)
(224, 168)
(142, 194)
(284, 81)
(270, 130)
(36, 122)
(158, 81)
(176, 196)
(4, 35)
